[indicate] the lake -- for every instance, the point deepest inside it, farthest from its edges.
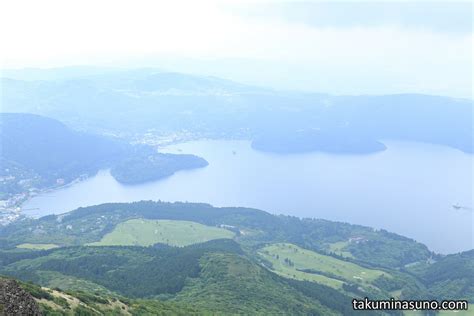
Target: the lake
(408, 189)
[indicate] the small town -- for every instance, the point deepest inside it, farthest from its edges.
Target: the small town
(14, 193)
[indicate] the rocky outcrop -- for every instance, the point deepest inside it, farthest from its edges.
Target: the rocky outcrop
(16, 301)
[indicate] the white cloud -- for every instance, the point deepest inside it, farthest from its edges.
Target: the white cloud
(59, 32)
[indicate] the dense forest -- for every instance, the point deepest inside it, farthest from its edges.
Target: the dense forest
(214, 276)
(238, 268)
(145, 165)
(89, 224)
(41, 152)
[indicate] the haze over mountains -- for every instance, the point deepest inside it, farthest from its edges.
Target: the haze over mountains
(236, 158)
(39, 152)
(152, 257)
(128, 102)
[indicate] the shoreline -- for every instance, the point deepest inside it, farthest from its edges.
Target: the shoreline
(289, 210)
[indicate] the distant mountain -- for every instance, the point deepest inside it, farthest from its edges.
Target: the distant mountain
(359, 125)
(130, 102)
(175, 83)
(61, 73)
(52, 150)
(34, 147)
(133, 101)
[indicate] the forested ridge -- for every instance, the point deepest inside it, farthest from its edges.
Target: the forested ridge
(44, 152)
(228, 275)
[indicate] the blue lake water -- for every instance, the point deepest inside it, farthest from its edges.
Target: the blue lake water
(408, 189)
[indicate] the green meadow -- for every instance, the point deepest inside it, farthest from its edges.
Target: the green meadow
(145, 232)
(289, 260)
(37, 246)
(338, 249)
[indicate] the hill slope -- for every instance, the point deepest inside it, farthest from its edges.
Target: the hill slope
(40, 152)
(233, 275)
(139, 100)
(141, 232)
(253, 228)
(213, 277)
(52, 150)
(236, 285)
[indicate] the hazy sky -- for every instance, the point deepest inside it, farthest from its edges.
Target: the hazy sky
(344, 48)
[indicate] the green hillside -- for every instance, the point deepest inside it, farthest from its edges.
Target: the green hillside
(234, 284)
(68, 303)
(295, 262)
(130, 271)
(142, 232)
(451, 275)
(216, 277)
(44, 152)
(252, 227)
(160, 253)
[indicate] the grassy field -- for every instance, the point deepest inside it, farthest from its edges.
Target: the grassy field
(143, 232)
(338, 249)
(54, 279)
(300, 258)
(37, 246)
